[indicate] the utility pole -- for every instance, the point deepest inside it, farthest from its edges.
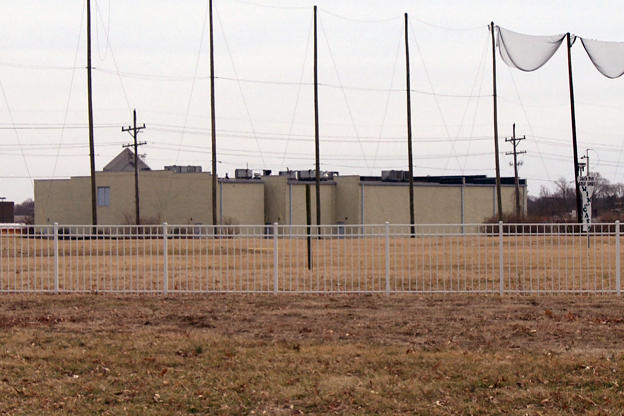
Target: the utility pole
(495, 105)
(316, 133)
(515, 141)
(213, 120)
(409, 129)
(577, 171)
(134, 132)
(90, 110)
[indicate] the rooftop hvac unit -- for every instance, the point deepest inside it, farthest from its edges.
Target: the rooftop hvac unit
(306, 175)
(394, 175)
(243, 174)
(290, 174)
(184, 169)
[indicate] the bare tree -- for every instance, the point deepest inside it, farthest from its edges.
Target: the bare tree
(25, 208)
(563, 188)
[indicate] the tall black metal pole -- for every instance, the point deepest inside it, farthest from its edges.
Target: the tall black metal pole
(316, 133)
(90, 109)
(213, 124)
(409, 128)
(498, 180)
(308, 223)
(573, 114)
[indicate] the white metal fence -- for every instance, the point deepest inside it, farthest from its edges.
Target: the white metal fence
(494, 258)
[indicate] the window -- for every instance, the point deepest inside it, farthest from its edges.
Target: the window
(103, 196)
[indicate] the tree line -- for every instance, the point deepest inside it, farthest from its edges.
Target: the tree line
(559, 203)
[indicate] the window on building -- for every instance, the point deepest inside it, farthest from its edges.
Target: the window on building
(103, 196)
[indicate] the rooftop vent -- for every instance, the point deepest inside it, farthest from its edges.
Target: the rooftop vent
(290, 174)
(309, 175)
(243, 173)
(394, 176)
(184, 169)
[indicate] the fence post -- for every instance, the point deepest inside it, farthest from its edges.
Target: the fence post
(387, 258)
(56, 259)
(617, 258)
(165, 255)
(275, 259)
(500, 255)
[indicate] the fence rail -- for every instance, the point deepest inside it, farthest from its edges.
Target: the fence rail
(475, 258)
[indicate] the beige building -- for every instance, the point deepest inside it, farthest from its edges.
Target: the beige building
(182, 195)
(372, 200)
(165, 196)
(178, 195)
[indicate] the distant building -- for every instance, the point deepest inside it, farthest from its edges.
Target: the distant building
(375, 200)
(177, 196)
(183, 195)
(7, 212)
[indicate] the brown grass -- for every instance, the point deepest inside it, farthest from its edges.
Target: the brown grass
(427, 263)
(244, 354)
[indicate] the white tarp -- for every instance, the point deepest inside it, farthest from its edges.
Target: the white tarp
(607, 57)
(526, 52)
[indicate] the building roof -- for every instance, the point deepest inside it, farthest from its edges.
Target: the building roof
(124, 162)
(450, 180)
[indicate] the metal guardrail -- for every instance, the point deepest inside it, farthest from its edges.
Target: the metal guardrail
(465, 258)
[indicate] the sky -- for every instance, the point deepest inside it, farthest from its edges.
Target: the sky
(153, 56)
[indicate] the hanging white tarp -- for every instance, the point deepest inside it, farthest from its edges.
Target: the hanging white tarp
(526, 52)
(607, 57)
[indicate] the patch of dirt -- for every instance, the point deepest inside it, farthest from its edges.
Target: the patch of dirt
(425, 322)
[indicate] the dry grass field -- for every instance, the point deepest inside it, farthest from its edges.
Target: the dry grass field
(292, 354)
(430, 263)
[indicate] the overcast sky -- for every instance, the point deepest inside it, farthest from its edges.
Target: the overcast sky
(154, 56)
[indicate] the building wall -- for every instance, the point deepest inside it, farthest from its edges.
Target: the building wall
(348, 199)
(66, 201)
(328, 203)
(185, 198)
(479, 203)
(276, 200)
(508, 197)
(439, 204)
(435, 204)
(177, 198)
(284, 198)
(164, 195)
(243, 202)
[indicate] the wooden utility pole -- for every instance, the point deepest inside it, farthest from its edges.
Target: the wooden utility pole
(409, 128)
(213, 123)
(90, 110)
(573, 114)
(134, 132)
(316, 133)
(515, 141)
(498, 180)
